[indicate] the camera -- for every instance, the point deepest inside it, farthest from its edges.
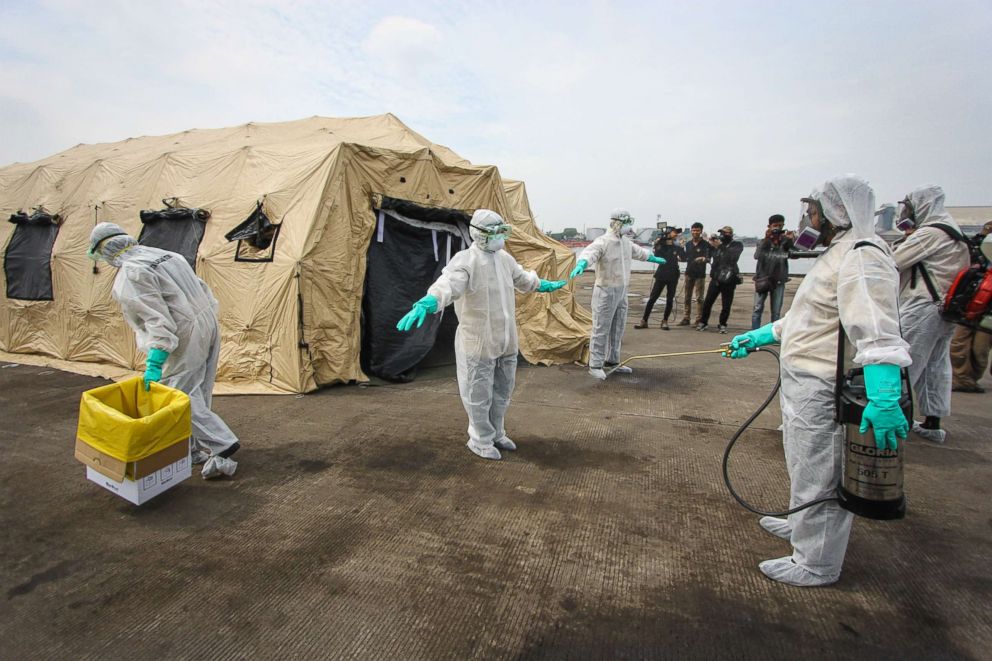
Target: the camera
(777, 231)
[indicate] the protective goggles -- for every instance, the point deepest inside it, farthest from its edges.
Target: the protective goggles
(623, 220)
(495, 230)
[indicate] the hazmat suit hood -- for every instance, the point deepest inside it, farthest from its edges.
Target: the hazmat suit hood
(928, 205)
(485, 218)
(619, 219)
(849, 203)
(115, 242)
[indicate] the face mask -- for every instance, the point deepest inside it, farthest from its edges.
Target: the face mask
(905, 224)
(725, 238)
(495, 243)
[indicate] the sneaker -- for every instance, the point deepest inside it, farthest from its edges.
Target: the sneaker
(664, 325)
(722, 329)
(684, 322)
(505, 444)
(702, 326)
(597, 373)
(643, 324)
(932, 435)
(975, 388)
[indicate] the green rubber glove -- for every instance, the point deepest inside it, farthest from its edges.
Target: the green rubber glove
(153, 366)
(742, 345)
(549, 286)
(883, 384)
(656, 260)
(580, 267)
(420, 310)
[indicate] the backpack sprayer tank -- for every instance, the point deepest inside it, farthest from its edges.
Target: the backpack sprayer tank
(871, 480)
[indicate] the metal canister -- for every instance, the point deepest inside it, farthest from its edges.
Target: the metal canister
(871, 482)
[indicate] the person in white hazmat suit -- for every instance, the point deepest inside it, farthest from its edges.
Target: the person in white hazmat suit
(174, 317)
(929, 260)
(480, 281)
(611, 253)
(856, 287)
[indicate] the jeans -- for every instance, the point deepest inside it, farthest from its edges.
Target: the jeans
(726, 294)
(694, 289)
(659, 285)
(778, 296)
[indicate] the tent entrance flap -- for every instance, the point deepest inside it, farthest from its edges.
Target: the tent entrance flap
(403, 260)
(27, 261)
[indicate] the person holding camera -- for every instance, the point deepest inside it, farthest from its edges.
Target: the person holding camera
(697, 256)
(725, 275)
(772, 270)
(666, 277)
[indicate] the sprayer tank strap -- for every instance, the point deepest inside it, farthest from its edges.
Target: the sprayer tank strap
(920, 267)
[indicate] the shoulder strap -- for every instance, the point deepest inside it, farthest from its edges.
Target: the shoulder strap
(862, 244)
(949, 231)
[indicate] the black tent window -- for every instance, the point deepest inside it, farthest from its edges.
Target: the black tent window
(256, 237)
(27, 262)
(174, 228)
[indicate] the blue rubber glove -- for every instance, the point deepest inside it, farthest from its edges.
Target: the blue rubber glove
(153, 366)
(883, 384)
(420, 310)
(742, 345)
(580, 267)
(549, 285)
(656, 260)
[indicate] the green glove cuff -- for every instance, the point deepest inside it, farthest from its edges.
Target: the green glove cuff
(765, 335)
(883, 384)
(429, 303)
(583, 264)
(157, 357)
(550, 286)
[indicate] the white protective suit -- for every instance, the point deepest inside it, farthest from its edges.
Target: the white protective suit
(928, 335)
(612, 254)
(480, 282)
(171, 309)
(858, 288)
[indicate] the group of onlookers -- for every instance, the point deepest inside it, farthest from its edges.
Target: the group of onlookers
(721, 251)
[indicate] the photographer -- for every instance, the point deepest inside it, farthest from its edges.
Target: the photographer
(772, 270)
(667, 275)
(724, 278)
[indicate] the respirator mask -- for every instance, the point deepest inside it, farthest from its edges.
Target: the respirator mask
(494, 236)
(808, 236)
(907, 216)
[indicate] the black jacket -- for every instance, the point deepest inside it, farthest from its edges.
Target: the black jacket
(693, 268)
(725, 257)
(773, 260)
(669, 271)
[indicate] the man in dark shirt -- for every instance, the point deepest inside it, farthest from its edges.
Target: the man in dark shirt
(724, 278)
(667, 275)
(772, 270)
(697, 255)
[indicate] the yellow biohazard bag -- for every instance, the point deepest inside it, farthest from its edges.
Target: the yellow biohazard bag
(128, 423)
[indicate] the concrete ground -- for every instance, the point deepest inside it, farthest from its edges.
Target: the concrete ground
(359, 526)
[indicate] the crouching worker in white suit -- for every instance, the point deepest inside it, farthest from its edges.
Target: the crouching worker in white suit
(174, 317)
(480, 282)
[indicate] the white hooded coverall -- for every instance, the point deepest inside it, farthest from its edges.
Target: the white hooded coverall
(859, 289)
(481, 283)
(171, 309)
(612, 254)
(928, 335)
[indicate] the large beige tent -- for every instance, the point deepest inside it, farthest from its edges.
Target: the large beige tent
(290, 311)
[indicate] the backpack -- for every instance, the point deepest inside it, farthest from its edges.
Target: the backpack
(969, 299)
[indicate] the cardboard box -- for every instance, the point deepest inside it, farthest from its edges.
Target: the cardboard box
(137, 481)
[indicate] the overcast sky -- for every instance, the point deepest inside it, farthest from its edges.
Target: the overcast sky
(723, 112)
